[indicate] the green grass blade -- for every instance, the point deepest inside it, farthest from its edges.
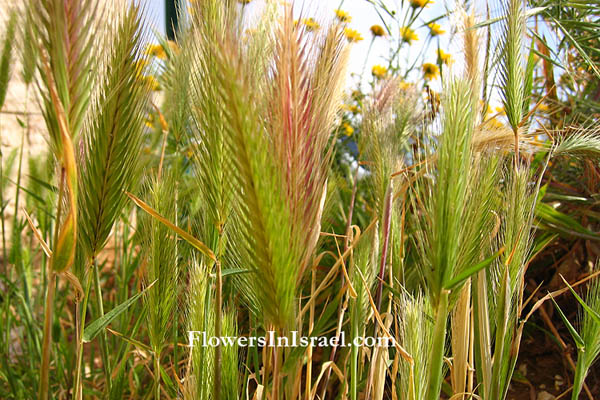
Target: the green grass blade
(595, 315)
(467, 272)
(98, 325)
(578, 340)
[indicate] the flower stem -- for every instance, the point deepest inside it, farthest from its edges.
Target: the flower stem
(364, 67)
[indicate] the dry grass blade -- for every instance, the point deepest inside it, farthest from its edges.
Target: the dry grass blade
(403, 353)
(66, 230)
(38, 235)
(198, 245)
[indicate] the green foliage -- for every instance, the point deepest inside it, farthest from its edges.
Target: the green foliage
(517, 219)
(97, 326)
(162, 264)
(29, 52)
(200, 318)
(588, 342)
(66, 32)
(110, 164)
(416, 337)
(200, 67)
(432, 219)
(442, 236)
(6, 58)
(512, 72)
(363, 273)
(581, 142)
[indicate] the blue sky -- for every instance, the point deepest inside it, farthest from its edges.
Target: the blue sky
(364, 14)
(156, 13)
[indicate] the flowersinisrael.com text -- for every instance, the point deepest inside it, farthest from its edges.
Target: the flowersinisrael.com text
(201, 338)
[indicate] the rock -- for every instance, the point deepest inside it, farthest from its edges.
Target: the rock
(543, 395)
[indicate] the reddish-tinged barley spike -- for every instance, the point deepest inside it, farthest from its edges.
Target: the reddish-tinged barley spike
(304, 100)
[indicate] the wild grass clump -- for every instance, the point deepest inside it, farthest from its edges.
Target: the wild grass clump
(247, 198)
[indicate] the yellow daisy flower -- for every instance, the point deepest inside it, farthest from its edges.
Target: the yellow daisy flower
(352, 35)
(156, 50)
(244, 1)
(543, 107)
(377, 30)
(493, 123)
(343, 16)
(408, 35)
(443, 57)
(435, 29)
(430, 71)
(379, 72)
(347, 129)
(420, 3)
(403, 85)
(351, 108)
(357, 95)
(151, 82)
(311, 24)
(149, 121)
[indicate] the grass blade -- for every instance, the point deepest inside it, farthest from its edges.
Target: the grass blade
(198, 245)
(98, 325)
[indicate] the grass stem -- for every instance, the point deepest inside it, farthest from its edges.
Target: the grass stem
(49, 304)
(157, 374)
(4, 258)
(77, 388)
(218, 316)
(354, 364)
(434, 383)
(103, 337)
(46, 344)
